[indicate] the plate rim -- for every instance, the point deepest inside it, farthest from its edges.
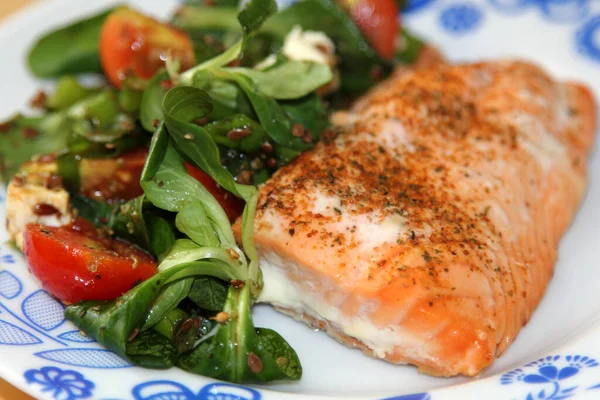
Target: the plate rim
(585, 331)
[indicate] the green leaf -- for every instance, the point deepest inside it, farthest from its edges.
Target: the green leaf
(186, 252)
(310, 112)
(68, 91)
(171, 188)
(187, 333)
(219, 130)
(151, 104)
(186, 104)
(288, 80)
(67, 166)
(209, 293)
(222, 93)
(124, 219)
(162, 236)
(207, 19)
(130, 99)
(193, 222)
(270, 113)
(357, 57)
(129, 222)
(170, 322)
(28, 136)
(167, 301)
(151, 232)
(96, 212)
(152, 350)
(273, 344)
(240, 353)
(325, 16)
(98, 118)
(251, 18)
(182, 105)
(156, 153)
(69, 50)
(112, 323)
(197, 144)
(254, 14)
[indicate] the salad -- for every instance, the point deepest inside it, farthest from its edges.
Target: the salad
(133, 200)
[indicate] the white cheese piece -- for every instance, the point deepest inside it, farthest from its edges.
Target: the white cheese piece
(313, 46)
(22, 197)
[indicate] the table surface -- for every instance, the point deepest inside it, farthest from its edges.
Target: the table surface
(7, 391)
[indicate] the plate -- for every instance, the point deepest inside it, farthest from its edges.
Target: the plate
(556, 356)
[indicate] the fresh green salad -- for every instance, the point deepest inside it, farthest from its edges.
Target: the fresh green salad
(122, 195)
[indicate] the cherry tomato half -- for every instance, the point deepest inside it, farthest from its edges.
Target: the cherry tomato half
(131, 42)
(76, 264)
(113, 179)
(233, 206)
(378, 21)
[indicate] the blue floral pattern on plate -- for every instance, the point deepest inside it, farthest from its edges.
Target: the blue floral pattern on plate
(588, 39)
(13, 335)
(63, 384)
(461, 18)
(550, 376)
(10, 286)
(563, 11)
(167, 390)
(30, 318)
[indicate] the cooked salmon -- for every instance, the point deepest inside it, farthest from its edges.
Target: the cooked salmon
(426, 231)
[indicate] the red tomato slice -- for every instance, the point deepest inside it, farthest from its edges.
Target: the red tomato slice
(233, 206)
(133, 42)
(76, 264)
(113, 179)
(378, 21)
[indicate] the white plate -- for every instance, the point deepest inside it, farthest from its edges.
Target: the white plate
(555, 355)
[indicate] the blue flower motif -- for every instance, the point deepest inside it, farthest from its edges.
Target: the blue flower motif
(561, 11)
(168, 390)
(588, 39)
(7, 259)
(551, 371)
(64, 384)
(461, 18)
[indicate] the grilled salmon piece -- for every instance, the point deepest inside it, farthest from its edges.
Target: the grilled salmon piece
(426, 232)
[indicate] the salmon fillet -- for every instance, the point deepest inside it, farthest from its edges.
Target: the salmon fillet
(426, 232)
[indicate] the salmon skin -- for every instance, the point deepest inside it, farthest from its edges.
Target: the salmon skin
(426, 232)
